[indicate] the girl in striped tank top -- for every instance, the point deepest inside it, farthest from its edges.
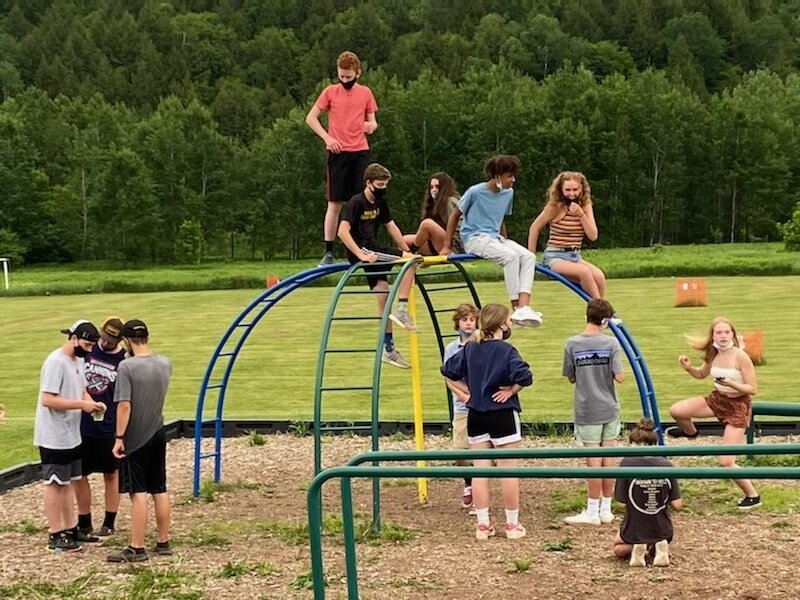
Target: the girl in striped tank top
(570, 216)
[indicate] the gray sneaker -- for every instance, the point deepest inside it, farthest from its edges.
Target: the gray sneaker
(327, 259)
(394, 358)
(401, 316)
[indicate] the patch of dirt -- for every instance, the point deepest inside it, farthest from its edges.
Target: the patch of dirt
(249, 542)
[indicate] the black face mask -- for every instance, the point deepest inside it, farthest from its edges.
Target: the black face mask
(506, 334)
(348, 84)
(379, 193)
(81, 352)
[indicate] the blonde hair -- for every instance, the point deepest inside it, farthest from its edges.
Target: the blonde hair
(464, 310)
(706, 344)
(554, 197)
(492, 317)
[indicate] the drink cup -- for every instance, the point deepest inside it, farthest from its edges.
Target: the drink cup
(99, 415)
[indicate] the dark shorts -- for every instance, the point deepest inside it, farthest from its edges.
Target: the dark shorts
(60, 466)
(346, 174)
(145, 470)
(96, 456)
(499, 427)
(380, 267)
(734, 411)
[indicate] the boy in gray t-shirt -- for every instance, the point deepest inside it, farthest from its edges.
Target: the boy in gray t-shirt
(57, 433)
(592, 361)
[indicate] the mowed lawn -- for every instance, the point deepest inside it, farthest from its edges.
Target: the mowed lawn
(274, 377)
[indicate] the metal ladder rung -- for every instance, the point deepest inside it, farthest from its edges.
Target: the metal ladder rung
(209, 455)
(447, 287)
(337, 388)
(226, 354)
(214, 386)
(346, 428)
(245, 325)
(373, 318)
(346, 350)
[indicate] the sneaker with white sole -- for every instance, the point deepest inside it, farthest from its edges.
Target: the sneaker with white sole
(525, 316)
(638, 555)
(749, 502)
(466, 497)
(327, 259)
(606, 518)
(401, 316)
(514, 531)
(583, 518)
(661, 558)
(394, 358)
(483, 532)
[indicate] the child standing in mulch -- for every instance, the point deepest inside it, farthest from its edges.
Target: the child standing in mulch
(495, 373)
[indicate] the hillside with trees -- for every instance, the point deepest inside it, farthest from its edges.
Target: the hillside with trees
(129, 130)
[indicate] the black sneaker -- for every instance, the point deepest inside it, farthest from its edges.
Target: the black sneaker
(163, 548)
(677, 432)
(128, 555)
(104, 531)
(61, 542)
(83, 536)
(748, 502)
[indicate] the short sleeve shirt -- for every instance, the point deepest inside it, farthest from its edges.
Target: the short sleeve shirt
(593, 360)
(365, 219)
(347, 110)
(61, 375)
(647, 519)
(143, 381)
(484, 210)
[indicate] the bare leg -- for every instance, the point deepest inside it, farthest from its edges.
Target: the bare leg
(510, 485)
(480, 485)
(608, 461)
(621, 549)
(55, 497)
(579, 273)
(331, 226)
(381, 293)
(684, 411)
(83, 495)
(736, 435)
(138, 519)
(111, 481)
(163, 516)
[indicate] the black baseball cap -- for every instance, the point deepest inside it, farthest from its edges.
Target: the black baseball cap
(83, 330)
(135, 329)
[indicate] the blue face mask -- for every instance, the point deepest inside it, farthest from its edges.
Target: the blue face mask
(464, 334)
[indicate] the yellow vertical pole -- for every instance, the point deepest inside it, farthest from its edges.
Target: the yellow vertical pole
(416, 395)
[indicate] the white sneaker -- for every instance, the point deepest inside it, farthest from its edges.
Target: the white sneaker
(606, 518)
(525, 316)
(402, 317)
(661, 558)
(583, 518)
(514, 531)
(483, 532)
(637, 555)
(394, 358)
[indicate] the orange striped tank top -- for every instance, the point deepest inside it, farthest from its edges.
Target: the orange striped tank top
(567, 232)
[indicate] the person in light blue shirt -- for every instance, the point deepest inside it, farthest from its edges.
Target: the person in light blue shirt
(465, 320)
(484, 208)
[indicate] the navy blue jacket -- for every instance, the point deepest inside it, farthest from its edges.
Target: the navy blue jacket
(486, 367)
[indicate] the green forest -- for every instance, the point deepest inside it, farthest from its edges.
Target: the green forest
(144, 130)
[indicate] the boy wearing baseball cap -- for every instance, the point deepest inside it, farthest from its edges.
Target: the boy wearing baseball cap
(62, 397)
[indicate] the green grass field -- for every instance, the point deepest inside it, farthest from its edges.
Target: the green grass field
(274, 376)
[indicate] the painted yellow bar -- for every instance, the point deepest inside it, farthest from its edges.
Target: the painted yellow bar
(416, 395)
(434, 260)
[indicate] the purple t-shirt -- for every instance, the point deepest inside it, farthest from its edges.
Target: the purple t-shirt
(100, 369)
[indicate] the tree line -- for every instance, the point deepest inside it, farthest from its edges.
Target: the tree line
(148, 131)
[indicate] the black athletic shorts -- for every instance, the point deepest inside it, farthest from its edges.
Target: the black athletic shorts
(379, 267)
(499, 427)
(60, 466)
(346, 174)
(145, 470)
(96, 456)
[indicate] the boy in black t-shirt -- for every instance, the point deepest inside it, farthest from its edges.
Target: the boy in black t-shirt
(647, 504)
(358, 230)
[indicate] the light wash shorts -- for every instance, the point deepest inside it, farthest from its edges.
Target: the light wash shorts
(594, 434)
(552, 253)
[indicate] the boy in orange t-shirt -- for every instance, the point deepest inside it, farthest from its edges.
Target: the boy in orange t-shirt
(351, 109)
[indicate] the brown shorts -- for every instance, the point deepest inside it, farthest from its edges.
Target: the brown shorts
(735, 411)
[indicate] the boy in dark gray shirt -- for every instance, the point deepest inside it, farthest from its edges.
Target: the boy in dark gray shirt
(142, 381)
(592, 361)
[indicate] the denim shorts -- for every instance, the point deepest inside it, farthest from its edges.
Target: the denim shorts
(552, 253)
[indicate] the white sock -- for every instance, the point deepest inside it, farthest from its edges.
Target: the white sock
(605, 505)
(512, 516)
(483, 516)
(593, 506)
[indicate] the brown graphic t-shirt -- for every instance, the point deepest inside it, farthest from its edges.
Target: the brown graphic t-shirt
(647, 519)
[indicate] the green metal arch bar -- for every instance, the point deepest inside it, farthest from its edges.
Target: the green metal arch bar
(590, 452)
(346, 473)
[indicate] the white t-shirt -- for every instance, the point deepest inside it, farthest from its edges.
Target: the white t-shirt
(63, 376)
